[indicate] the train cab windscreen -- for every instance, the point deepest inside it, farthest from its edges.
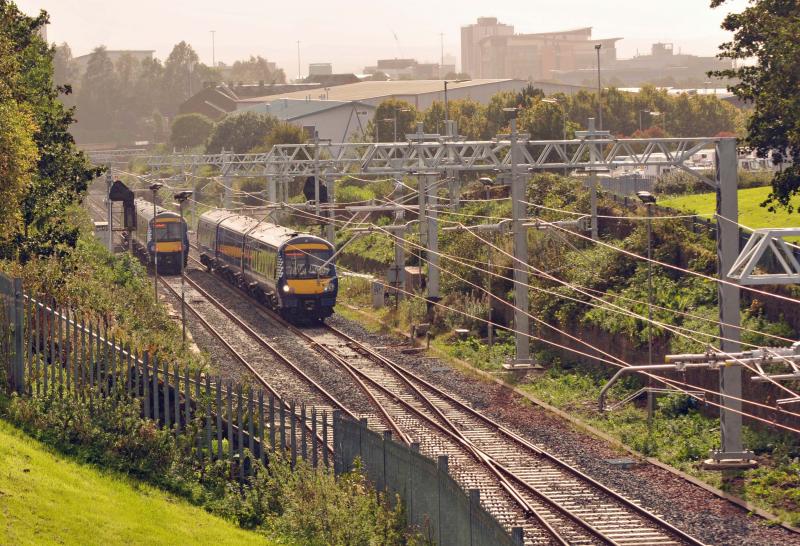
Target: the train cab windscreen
(307, 264)
(167, 231)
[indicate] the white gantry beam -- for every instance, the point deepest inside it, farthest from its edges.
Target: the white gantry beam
(405, 157)
(761, 242)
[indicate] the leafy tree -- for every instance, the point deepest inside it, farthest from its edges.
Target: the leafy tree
(190, 130)
(146, 92)
(17, 149)
(383, 121)
(543, 121)
(256, 69)
(98, 97)
(767, 30)
(240, 132)
(65, 73)
(61, 171)
(496, 117)
(183, 77)
(285, 133)
(469, 115)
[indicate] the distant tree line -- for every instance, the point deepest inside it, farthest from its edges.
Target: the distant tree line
(659, 113)
(651, 112)
(129, 99)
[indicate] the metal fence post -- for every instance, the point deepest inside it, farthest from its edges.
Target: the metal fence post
(387, 438)
(293, 435)
(19, 340)
(303, 438)
(314, 444)
(337, 442)
(325, 439)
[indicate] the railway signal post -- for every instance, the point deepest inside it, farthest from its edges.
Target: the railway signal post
(181, 197)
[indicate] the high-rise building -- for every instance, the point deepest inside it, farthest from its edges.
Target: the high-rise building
(491, 50)
(471, 37)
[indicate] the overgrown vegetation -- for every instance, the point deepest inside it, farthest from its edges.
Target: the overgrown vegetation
(111, 290)
(681, 434)
(304, 505)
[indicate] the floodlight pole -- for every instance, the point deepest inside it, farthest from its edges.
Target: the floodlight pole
(599, 90)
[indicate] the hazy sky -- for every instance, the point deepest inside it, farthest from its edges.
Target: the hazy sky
(354, 33)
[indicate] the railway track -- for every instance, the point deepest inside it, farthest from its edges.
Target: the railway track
(557, 502)
(520, 483)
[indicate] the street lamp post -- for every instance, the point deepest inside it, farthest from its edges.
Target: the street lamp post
(181, 197)
(649, 200)
(154, 188)
(599, 91)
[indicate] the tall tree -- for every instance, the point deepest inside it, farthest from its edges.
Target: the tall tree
(767, 30)
(62, 171)
(98, 99)
(181, 79)
(543, 121)
(17, 147)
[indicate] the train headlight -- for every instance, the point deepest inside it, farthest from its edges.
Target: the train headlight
(330, 287)
(287, 289)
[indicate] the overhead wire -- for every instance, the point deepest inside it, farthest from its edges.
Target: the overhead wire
(311, 215)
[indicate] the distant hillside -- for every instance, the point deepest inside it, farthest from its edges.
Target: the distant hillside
(47, 499)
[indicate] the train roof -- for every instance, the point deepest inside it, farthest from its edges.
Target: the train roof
(266, 232)
(144, 209)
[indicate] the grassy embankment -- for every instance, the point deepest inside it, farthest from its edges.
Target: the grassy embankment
(751, 213)
(46, 498)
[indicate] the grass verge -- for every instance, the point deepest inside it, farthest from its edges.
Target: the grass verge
(46, 498)
(751, 213)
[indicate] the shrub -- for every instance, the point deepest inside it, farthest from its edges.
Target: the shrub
(99, 431)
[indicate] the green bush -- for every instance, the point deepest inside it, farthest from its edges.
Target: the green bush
(101, 431)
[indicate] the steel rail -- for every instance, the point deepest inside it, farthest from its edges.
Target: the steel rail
(502, 473)
(409, 377)
(259, 378)
(326, 352)
(360, 377)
